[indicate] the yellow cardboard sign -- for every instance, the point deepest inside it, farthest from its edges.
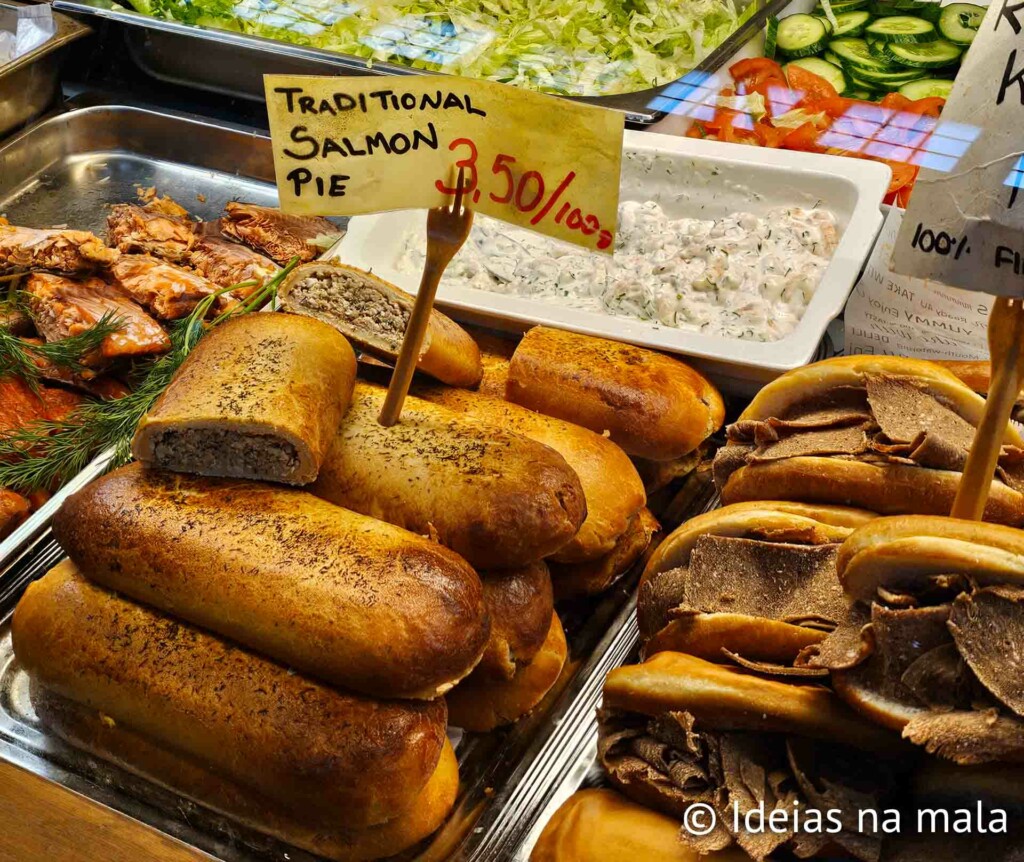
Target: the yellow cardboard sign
(348, 146)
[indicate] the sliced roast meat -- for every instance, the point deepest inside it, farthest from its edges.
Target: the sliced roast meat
(939, 679)
(852, 440)
(903, 409)
(833, 407)
(849, 645)
(770, 669)
(978, 736)
(988, 628)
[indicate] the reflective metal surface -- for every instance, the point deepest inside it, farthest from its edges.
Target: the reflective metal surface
(234, 63)
(30, 84)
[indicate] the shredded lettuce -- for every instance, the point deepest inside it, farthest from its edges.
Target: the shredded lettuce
(797, 117)
(569, 47)
(751, 104)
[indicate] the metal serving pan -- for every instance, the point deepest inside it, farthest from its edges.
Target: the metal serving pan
(68, 169)
(233, 64)
(30, 84)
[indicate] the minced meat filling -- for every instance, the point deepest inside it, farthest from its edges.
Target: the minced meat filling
(362, 306)
(217, 452)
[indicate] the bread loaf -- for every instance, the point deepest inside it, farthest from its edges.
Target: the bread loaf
(345, 598)
(496, 497)
(613, 490)
(482, 702)
(258, 398)
(309, 748)
(651, 405)
(374, 314)
(329, 836)
(520, 604)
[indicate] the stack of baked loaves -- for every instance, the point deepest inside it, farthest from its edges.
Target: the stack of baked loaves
(289, 655)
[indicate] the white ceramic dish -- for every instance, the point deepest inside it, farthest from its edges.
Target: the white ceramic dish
(693, 178)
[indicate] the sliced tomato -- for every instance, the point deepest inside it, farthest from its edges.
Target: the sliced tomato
(769, 136)
(931, 106)
(814, 87)
(735, 133)
(804, 138)
(755, 74)
(835, 107)
(896, 102)
(697, 130)
(903, 175)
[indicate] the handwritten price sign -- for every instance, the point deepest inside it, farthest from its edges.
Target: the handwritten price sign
(348, 146)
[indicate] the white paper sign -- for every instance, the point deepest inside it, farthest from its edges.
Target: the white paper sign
(897, 315)
(965, 222)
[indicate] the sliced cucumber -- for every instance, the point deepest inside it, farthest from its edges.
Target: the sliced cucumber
(959, 22)
(823, 69)
(932, 11)
(771, 35)
(882, 9)
(850, 23)
(929, 55)
(890, 80)
(863, 95)
(856, 54)
(801, 35)
(925, 88)
(878, 50)
(840, 6)
(831, 58)
(902, 29)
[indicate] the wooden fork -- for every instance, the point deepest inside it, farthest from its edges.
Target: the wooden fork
(1006, 353)
(447, 230)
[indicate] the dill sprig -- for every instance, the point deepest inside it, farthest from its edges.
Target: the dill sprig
(27, 360)
(44, 454)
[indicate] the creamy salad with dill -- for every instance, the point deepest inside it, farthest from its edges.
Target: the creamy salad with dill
(744, 276)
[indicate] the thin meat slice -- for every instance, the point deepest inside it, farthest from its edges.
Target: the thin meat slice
(851, 440)
(62, 307)
(13, 510)
(903, 410)
(988, 628)
(67, 251)
(277, 235)
(132, 228)
(169, 292)
(229, 263)
(968, 738)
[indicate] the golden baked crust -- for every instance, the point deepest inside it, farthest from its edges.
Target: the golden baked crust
(604, 826)
(327, 836)
(613, 490)
(308, 747)
(755, 638)
(345, 598)
(520, 604)
(884, 488)
(573, 580)
(448, 353)
(494, 496)
(277, 377)
(651, 405)
(729, 699)
(481, 703)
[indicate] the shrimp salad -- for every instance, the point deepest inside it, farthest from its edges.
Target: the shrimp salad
(744, 276)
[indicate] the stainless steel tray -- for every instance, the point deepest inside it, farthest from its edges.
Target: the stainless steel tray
(506, 775)
(69, 168)
(30, 84)
(231, 63)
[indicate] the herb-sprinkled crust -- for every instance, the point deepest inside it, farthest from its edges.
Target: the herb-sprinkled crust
(653, 406)
(496, 497)
(258, 398)
(305, 745)
(373, 314)
(345, 598)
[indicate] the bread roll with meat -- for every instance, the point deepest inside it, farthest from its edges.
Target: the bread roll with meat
(651, 405)
(613, 490)
(600, 825)
(373, 314)
(576, 580)
(481, 702)
(520, 604)
(344, 598)
(494, 496)
(311, 749)
(258, 398)
(328, 836)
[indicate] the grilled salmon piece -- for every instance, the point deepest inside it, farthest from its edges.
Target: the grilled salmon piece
(13, 510)
(62, 307)
(167, 291)
(14, 320)
(20, 405)
(228, 263)
(278, 235)
(149, 229)
(68, 251)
